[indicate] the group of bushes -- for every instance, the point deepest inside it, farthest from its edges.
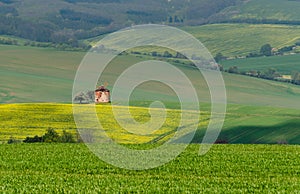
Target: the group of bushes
(8, 41)
(51, 136)
(271, 73)
(265, 50)
(60, 46)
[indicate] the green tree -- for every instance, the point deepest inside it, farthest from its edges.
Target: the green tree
(179, 55)
(221, 68)
(233, 69)
(219, 57)
(51, 136)
(296, 77)
(266, 50)
(91, 96)
(170, 20)
(154, 53)
(271, 73)
(81, 97)
(167, 54)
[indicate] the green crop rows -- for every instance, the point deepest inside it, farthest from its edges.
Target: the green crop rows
(72, 168)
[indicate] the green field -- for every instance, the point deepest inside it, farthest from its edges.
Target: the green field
(34, 74)
(243, 124)
(252, 124)
(72, 168)
(45, 75)
(261, 128)
(242, 39)
(22, 120)
(237, 39)
(283, 64)
(266, 9)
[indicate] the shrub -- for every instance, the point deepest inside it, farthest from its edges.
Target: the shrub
(34, 139)
(12, 140)
(233, 69)
(221, 141)
(67, 138)
(51, 136)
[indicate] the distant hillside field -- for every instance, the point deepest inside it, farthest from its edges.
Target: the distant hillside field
(283, 64)
(278, 10)
(34, 74)
(242, 39)
(234, 40)
(30, 74)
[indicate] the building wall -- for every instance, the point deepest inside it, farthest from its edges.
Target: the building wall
(101, 97)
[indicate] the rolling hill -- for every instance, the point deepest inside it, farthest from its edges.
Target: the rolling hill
(241, 39)
(265, 10)
(66, 21)
(72, 22)
(243, 124)
(36, 94)
(30, 74)
(234, 40)
(62, 20)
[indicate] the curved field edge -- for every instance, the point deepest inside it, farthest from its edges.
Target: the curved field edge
(243, 124)
(44, 75)
(21, 120)
(48, 168)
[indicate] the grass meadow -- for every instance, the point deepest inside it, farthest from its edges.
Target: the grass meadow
(45, 75)
(34, 74)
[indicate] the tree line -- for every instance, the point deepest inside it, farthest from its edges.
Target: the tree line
(270, 74)
(258, 21)
(265, 50)
(59, 46)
